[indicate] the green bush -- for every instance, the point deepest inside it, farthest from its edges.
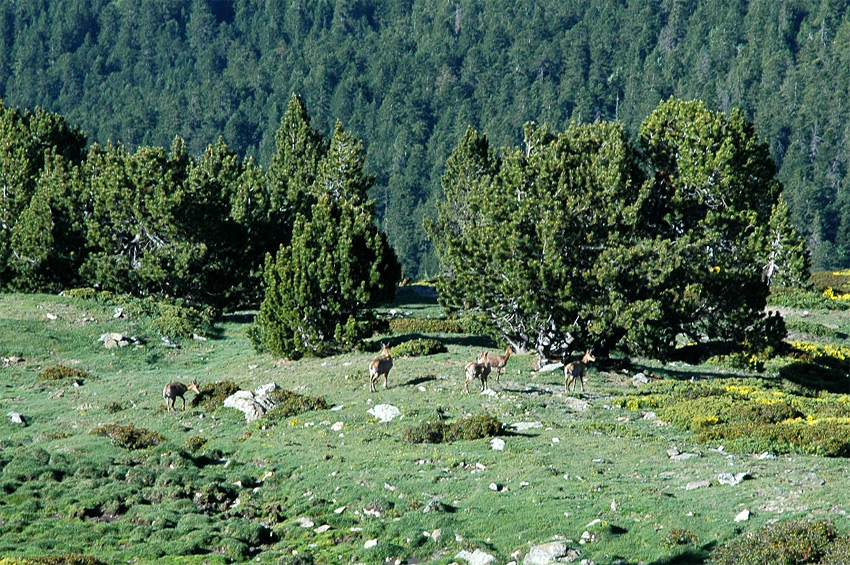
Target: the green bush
(178, 321)
(291, 404)
(129, 437)
(681, 536)
(66, 559)
(195, 444)
(837, 281)
(788, 543)
(815, 329)
(60, 372)
(475, 427)
(425, 325)
(28, 463)
(213, 395)
(418, 347)
(794, 298)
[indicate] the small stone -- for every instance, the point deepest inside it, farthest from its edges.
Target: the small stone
(698, 484)
(743, 516)
(384, 412)
(16, 418)
(322, 529)
(370, 543)
(522, 426)
(477, 557)
(304, 522)
(732, 480)
(640, 379)
(497, 444)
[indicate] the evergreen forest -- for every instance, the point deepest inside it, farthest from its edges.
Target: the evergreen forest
(410, 78)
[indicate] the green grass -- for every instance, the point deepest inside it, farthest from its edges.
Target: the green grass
(220, 490)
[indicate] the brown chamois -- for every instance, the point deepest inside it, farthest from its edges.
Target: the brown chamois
(575, 370)
(498, 362)
(380, 366)
(478, 369)
(175, 390)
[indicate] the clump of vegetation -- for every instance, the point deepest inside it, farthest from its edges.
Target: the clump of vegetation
(748, 415)
(129, 436)
(289, 404)
(61, 372)
(113, 407)
(425, 325)
(174, 319)
(811, 300)
(212, 395)
(195, 443)
(838, 281)
(681, 536)
(815, 329)
(783, 542)
(419, 347)
(67, 559)
(475, 427)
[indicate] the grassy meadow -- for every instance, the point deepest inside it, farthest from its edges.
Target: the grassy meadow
(622, 474)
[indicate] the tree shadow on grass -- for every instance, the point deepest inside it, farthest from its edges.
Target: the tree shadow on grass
(239, 317)
(462, 341)
(420, 380)
(816, 377)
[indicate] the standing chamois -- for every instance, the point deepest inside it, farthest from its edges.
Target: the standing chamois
(498, 362)
(380, 366)
(575, 370)
(478, 369)
(175, 390)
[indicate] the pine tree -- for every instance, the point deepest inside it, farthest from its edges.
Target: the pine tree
(565, 245)
(337, 263)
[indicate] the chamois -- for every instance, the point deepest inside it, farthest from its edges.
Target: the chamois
(575, 370)
(498, 362)
(380, 366)
(175, 390)
(478, 369)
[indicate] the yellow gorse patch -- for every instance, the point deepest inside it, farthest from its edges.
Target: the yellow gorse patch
(832, 295)
(756, 394)
(812, 421)
(819, 350)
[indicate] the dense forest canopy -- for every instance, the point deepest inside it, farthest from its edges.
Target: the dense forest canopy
(409, 78)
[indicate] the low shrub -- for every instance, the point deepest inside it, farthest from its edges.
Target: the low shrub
(788, 543)
(66, 559)
(681, 536)
(176, 320)
(129, 437)
(290, 404)
(839, 281)
(212, 395)
(810, 300)
(425, 325)
(475, 427)
(61, 372)
(419, 347)
(195, 444)
(815, 329)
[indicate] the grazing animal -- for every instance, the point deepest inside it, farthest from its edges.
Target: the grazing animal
(175, 390)
(575, 370)
(478, 369)
(380, 366)
(498, 362)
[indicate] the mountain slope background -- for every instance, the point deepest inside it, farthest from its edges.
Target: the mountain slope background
(408, 78)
